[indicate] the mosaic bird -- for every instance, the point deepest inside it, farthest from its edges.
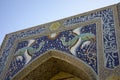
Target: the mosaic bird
(78, 40)
(28, 52)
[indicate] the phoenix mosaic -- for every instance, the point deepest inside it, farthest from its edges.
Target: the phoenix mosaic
(79, 42)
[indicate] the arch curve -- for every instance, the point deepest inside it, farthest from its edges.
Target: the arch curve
(51, 63)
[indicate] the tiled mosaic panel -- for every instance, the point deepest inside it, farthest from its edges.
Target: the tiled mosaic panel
(80, 42)
(109, 35)
(111, 53)
(11, 40)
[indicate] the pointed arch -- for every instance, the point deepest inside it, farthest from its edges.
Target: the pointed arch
(53, 62)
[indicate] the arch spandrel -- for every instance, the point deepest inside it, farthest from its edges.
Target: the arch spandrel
(79, 42)
(53, 62)
(103, 58)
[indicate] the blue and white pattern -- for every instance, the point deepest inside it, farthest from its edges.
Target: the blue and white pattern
(11, 40)
(85, 50)
(109, 37)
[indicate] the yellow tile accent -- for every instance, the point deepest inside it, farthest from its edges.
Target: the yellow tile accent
(54, 26)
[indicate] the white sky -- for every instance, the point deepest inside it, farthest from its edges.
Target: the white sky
(20, 14)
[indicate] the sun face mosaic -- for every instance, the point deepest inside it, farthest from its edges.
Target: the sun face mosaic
(79, 42)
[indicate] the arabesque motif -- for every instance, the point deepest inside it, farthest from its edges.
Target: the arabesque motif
(109, 40)
(84, 45)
